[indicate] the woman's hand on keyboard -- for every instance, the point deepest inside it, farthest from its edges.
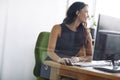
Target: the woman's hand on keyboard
(81, 59)
(76, 59)
(85, 58)
(62, 61)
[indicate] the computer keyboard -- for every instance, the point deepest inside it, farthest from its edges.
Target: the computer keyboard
(111, 69)
(92, 63)
(99, 65)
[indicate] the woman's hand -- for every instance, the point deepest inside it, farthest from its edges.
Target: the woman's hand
(80, 59)
(62, 61)
(71, 60)
(66, 61)
(85, 58)
(88, 58)
(74, 59)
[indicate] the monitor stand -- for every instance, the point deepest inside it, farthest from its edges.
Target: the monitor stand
(114, 68)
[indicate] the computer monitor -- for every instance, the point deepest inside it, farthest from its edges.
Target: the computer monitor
(107, 41)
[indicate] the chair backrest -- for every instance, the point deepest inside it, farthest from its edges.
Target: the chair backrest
(40, 51)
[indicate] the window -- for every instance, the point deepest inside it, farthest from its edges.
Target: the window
(108, 7)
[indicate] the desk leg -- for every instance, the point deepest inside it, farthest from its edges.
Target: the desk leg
(54, 74)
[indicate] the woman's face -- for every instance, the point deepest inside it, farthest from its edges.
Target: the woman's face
(83, 14)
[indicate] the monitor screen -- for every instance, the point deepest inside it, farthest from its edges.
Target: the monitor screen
(107, 41)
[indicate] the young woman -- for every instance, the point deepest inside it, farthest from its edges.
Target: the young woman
(71, 41)
(67, 40)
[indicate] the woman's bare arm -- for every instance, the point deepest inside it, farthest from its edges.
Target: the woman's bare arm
(85, 53)
(89, 44)
(55, 33)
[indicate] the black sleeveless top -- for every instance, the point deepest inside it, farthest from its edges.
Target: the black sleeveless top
(65, 45)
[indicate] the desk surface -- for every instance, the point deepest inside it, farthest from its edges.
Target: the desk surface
(68, 70)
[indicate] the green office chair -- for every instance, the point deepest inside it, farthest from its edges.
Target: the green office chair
(40, 53)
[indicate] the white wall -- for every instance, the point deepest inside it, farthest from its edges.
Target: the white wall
(108, 7)
(3, 18)
(20, 23)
